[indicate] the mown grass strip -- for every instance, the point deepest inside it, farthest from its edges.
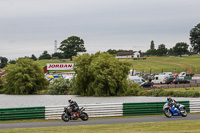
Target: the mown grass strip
(145, 127)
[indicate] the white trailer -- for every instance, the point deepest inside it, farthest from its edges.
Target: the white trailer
(159, 79)
(136, 79)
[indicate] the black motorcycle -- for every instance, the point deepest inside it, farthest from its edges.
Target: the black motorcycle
(66, 116)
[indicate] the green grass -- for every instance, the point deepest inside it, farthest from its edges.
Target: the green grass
(144, 127)
(191, 63)
(183, 89)
(44, 62)
(155, 64)
(156, 67)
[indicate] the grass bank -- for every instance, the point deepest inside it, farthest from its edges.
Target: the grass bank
(153, 64)
(146, 127)
(172, 64)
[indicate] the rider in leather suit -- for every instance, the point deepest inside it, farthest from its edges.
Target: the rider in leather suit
(172, 102)
(74, 106)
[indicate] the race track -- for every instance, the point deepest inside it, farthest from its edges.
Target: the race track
(98, 121)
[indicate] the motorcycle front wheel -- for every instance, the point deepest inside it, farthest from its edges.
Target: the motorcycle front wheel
(65, 118)
(168, 113)
(183, 113)
(84, 116)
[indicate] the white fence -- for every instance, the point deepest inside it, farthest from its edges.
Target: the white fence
(103, 109)
(194, 106)
(93, 110)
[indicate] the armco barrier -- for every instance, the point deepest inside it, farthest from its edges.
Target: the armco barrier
(93, 110)
(23, 113)
(148, 108)
(194, 106)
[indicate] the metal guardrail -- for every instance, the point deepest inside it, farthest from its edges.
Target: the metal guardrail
(93, 110)
(194, 106)
(23, 113)
(148, 108)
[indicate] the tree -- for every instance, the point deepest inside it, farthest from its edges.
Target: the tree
(171, 52)
(195, 38)
(58, 55)
(181, 48)
(12, 61)
(161, 51)
(110, 51)
(71, 46)
(151, 52)
(24, 77)
(152, 45)
(45, 55)
(59, 86)
(3, 62)
(121, 50)
(33, 57)
(100, 74)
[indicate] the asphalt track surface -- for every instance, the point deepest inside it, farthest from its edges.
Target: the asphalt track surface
(98, 121)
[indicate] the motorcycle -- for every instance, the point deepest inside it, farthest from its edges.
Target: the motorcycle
(170, 111)
(66, 116)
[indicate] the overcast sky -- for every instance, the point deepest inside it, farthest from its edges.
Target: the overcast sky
(31, 26)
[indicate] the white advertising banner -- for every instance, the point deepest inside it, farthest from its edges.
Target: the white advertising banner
(60, 66)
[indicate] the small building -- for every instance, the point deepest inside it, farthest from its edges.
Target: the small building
(129, 54)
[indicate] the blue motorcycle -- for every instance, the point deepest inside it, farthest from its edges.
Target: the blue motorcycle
(170, 111)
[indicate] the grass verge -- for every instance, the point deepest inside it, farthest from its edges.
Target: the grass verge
(146, 127)
(184, 89)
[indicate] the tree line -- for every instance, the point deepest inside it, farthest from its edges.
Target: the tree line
(72, 45)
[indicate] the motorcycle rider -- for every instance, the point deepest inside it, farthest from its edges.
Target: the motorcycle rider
(173, 103)
(74, 106)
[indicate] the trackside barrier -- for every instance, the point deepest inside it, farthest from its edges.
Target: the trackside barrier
(93, 110)
(194, 106)
(23, 113)
(148, 108)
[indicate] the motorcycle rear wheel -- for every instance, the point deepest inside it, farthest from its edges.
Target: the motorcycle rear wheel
(65, 118)
(168, 113)
(84, 116)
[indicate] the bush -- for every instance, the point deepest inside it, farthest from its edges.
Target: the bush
(59, 86)
(191, 94)
(1, 85)
(162, 92)
(196, 94)
(24, 77)
(155, 92)
(134, 89)
(100, 74)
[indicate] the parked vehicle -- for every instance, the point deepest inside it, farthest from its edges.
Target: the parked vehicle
(136, 79)
(138, 74)
(146, 84)
(169, 80)
(148, 76)
(180, 81)
(170, 111)
(182, 75)
(159, 79)
(66, 116)
(166, 73)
